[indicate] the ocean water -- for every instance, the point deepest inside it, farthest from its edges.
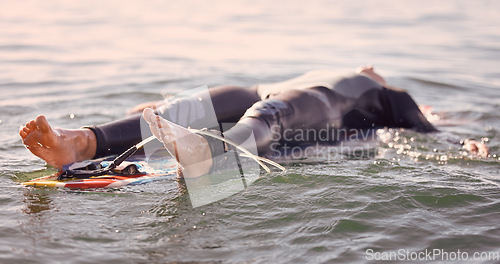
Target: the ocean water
(88, 62)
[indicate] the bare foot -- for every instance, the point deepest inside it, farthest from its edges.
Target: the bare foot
(191, 150)
(370, 72)
(58, 147)
(476, 147)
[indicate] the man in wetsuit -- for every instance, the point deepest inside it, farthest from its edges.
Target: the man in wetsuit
(314, 101)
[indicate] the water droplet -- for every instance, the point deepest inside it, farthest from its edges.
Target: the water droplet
(71, 116)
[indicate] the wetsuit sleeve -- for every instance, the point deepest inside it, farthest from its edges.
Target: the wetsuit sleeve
(229, 102)
(118, 136)
(404, 112)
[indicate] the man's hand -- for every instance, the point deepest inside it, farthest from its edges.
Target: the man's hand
(476, 147)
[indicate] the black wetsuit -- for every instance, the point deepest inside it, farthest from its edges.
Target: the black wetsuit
(313, 101)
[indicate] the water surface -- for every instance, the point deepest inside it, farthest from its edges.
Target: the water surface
(82, 63)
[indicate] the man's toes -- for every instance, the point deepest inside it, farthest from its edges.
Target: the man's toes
(154, 121)
(23, 134)
(42, 124)
(149, 115)
(151, 119)
(31, 125)
(160, 128)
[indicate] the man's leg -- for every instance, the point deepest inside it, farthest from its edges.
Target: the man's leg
(63, 146)
(292, 117)
(269, 121)
(229, 103)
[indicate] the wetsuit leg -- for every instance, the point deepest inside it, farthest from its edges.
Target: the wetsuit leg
(117, 136)
(229, 102)
(289, 117)
(297, 116)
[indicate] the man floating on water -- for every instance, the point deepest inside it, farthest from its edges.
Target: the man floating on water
(313, 101)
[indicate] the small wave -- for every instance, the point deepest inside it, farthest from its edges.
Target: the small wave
(438, 84)
(24, 47)
(35, 84)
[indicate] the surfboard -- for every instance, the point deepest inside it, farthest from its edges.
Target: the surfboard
(161, 166)
(147, 171)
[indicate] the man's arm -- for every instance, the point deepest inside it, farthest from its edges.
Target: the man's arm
(406, 113)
